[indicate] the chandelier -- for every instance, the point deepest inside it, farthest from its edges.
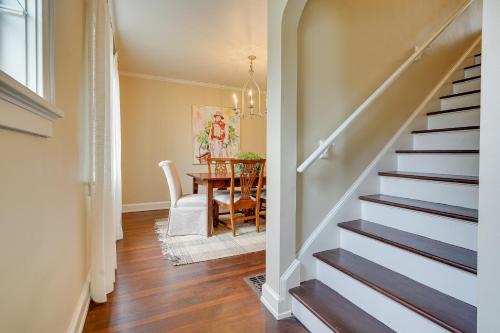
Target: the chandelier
(251, 105)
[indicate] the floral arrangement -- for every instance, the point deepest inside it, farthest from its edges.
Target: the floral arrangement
(247, 155)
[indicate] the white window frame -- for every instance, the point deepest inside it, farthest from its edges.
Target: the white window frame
(32, 110)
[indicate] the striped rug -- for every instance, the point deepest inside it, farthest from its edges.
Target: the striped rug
(183, 250)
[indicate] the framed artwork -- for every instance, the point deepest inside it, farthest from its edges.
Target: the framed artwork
(216, 133)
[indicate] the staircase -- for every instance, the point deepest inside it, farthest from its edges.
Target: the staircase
(410, 263)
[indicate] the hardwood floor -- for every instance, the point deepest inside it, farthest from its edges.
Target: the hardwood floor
(151, 295)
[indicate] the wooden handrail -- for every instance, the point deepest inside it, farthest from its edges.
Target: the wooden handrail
(380, 90)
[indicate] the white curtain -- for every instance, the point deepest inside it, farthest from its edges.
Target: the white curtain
(116, 147)
(105, 200)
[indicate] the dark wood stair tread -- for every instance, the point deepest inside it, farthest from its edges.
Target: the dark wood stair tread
(468, 79)
(477, 55)
(452, 255)
(335, 311)
(446, 311)
(432, 176)
(461, 94)
(447, 129)
(438, 151)
(472, 66)
(457, 212)
(466, 108)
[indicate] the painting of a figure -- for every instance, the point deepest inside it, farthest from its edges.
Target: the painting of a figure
(216, 133)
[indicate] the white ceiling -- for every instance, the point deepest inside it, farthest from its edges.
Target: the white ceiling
(197, 40)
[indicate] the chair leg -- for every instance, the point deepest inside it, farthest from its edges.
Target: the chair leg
(233, 226)
(257, 219)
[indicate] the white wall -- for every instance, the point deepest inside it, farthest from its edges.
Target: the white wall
(489, 174)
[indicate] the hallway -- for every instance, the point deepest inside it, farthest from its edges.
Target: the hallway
(151, 295)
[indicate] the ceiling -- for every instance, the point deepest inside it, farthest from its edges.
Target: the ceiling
(197, 40)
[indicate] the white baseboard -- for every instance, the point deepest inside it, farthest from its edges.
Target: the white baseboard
(272, 302)
(280, 305)
(144, 206)
(80, 311)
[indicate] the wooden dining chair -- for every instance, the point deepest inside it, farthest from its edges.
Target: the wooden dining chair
(248, 174)
(219, 165)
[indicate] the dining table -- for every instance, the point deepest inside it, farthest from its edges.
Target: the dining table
(212, 182)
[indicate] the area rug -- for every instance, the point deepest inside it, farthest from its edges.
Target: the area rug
(183, 250)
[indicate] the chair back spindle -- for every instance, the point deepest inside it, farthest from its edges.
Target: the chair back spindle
(219, 165)
(248, 172)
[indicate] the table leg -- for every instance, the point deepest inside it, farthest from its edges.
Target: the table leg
(210, 205)
(195, 186)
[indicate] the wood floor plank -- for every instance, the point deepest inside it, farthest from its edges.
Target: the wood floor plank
(152, 295)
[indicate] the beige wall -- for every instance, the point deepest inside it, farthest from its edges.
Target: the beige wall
(156, 126)
(42, 201)
(347, 48)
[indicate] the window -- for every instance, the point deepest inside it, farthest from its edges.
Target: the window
(26, 61)
(25, 43)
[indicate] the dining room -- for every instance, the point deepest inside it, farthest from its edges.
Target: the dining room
(194, 127)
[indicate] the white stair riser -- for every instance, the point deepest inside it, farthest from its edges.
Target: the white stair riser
(453, 164)
(460, 101)
(468, 139)
(445, 278)
(470, 72)
(467, 86)
(384, 309)
(454, 119)
(477, 60)
(463, 195)
(453, 231)
(308, 319)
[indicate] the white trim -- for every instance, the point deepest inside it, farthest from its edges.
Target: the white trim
(290, 278)
(47, 64)
(15, 99)
(315, 237)
(280, 305)
(272, 301)
(178, 81)
(81, 309)
(145, 206)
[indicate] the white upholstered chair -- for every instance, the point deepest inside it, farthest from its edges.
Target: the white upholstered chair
(188, 213)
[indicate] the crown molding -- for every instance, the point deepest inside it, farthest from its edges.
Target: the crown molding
(179, 81)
